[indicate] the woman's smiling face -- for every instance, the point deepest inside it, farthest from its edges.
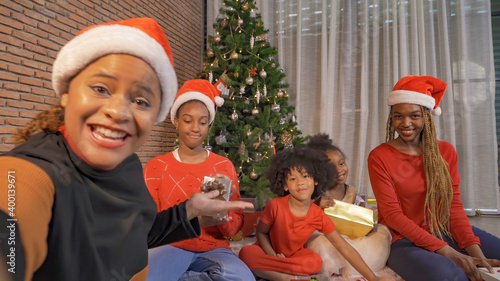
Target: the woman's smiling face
(408, 122)
(111, 107)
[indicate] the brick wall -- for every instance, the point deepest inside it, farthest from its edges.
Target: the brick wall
(32, 32)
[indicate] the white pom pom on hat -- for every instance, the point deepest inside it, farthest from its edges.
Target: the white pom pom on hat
(201, 90)
(140, 37)
(426, 91)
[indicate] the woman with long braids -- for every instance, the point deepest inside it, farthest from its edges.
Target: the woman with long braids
(415, 179)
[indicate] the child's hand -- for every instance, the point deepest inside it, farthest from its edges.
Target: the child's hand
(326, 202)
(280, 255)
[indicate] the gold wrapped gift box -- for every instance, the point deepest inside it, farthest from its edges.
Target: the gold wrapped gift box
(351, 220)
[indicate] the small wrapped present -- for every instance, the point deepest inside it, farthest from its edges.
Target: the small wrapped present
(351, 220)
(487, 276)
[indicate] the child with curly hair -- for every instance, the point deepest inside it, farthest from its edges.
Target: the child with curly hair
(296, 176)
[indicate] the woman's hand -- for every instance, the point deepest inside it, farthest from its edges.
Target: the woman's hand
(203, 204)
(467, 263)
(475, 251)
(212, 220)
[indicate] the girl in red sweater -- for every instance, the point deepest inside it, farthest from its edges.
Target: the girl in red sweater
(297, 175)
(416, 182)
(175, 177)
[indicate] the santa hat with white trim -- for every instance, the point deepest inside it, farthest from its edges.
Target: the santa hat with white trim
(201, 90)
(140, 37)
(426, 91)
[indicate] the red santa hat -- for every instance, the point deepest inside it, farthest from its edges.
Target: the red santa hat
(140, 37)
(426, 91)
(201, 90)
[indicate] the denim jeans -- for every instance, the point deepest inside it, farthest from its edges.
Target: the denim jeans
(168, 263)
(413, 263)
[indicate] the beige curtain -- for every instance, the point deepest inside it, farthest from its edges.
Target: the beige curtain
(343, 57)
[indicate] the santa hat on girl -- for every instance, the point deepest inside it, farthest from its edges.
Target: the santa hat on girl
(426, 91)
(201, 90)
(140, 37)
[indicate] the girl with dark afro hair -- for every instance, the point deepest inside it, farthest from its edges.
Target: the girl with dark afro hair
(287, 222)
(311, 161)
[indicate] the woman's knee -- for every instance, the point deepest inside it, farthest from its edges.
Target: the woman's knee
(413, 263)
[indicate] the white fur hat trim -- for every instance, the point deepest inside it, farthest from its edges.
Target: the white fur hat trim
(189, 96)
(404, 96)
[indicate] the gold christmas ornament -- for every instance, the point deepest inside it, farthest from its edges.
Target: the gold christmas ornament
(217, 38)
(210, 53)
(244, 6)
(236, 75)
(234, 56)
(255, 111)
(279, 94)
(263, 74)
(253, 175)
(249, 80)
(241, 150)
(286, 139)
(234, 116)
(259, 24)
(223, 23)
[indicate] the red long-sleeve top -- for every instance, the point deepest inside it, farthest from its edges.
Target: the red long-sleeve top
(171, 182)
(398, 182)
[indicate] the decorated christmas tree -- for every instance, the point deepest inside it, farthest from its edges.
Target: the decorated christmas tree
(256, 120)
